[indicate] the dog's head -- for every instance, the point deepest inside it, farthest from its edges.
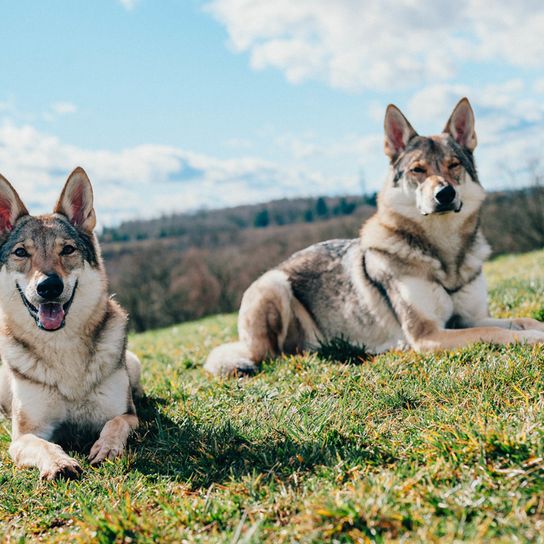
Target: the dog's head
(48, 261)
(435, 174)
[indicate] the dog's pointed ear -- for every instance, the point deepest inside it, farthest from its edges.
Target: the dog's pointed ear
(11, 207)
(76, 201)
(398, 132)
(460, 125)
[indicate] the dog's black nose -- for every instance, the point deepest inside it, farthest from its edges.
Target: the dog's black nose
(446, 195)
(51, 287)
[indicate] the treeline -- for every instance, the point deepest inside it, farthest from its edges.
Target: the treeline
(208, 259)
(168, 281)
(207, 222)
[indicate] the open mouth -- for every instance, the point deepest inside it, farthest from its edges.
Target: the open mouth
(445, 208)
(49, 316)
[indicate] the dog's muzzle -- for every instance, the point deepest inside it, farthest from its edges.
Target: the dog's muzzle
(49, 316)
(445, 197)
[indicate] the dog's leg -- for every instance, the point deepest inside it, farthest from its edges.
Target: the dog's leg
(438, 339)
(113, 438)
(34, 410)
(29, 450)
(471, 309)
(263, 323)
(514, 324)
(420, 306)
(134, 369)
(5, 391)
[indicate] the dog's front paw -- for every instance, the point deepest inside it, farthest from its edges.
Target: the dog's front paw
(63, 467)
(531, 336)
(105, 448)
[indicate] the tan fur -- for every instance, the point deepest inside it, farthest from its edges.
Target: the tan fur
(31, 451)
(413, 279)
(24, 425)
(271, 321)
(113, 438)
(438, 339)
(78, 375)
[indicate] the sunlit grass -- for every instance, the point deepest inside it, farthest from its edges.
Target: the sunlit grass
(408, 447)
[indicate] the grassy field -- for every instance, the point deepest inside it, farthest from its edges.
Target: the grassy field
(428, 448)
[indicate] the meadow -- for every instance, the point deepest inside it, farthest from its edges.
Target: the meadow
(442, 447)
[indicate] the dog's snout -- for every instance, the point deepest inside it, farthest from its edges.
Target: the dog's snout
(51, 287)
(445, 195)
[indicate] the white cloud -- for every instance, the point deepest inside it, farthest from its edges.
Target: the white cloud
(238, 143)
(375, 44)
(58, 109)
(509, 31)
(301, 147)
(63, 108)
(501, 109)
(128, 4)
(538, 86)
(7, 107)
(307, 147)
(147, 180)
(509, 125)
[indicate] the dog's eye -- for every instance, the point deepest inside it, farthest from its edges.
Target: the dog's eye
(417, 170)
(454, 165)
(21, 252)
(67, 250)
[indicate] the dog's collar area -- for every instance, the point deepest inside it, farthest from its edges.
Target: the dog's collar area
(33, 311)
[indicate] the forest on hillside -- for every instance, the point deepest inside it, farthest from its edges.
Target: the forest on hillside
(185, 266)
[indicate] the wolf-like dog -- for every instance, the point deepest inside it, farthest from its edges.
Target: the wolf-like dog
(413, 279)
(65, 370)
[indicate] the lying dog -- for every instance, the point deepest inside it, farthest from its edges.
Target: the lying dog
(413, 278)
(62, 339)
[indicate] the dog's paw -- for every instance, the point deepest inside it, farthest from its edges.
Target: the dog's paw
(63, 467)
(105, 448)
(232, 359)
(531, 336)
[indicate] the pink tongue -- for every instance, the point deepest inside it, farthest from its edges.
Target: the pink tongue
(51, 315)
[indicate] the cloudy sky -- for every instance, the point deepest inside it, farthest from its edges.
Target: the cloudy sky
(184, 104)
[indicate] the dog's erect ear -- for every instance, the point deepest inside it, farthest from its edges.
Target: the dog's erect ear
(398, 132)
(11, 207)
(460, 125)
(76, 201)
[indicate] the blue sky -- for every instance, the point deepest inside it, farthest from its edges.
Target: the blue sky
(183, 104)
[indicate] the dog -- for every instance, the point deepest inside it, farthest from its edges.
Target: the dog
(65, 369)
(413, 279)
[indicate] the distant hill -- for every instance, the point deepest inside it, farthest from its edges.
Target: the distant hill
(185, 266)
(207, 223)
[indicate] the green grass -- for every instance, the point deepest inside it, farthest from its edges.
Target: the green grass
(407, 447)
